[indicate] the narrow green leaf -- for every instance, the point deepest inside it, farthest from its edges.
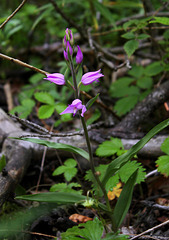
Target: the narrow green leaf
(2, 162)
(54, 197)
(162, 20)
(130, 47)
(120, 161)
(59, 146)
(124, 201)
(91, 101)
(45, 111)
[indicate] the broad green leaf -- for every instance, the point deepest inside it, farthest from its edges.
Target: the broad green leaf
(154, 69)
(108, 148)
(91, 101)
(124, 202)
(125, 104)
(54, 197)
(116, 164)
(125, 91)
(165, 146)
(44, 97)
(24, 109)
(68, 169)
(45, 111)
(130, 23)
(162, 20)
(36, 78)
(163, 165)
(2, 162)
(130, 47)
(64, 187)
(91, 230)
(143, 36)
(145, 82)
(136, 71)
(128, 35)
(129, 168)
(59, 146)
(112, 236)
(60, 107)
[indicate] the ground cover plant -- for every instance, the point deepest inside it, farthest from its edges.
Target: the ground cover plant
(86, 105)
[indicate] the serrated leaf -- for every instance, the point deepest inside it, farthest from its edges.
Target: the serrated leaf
(125, 91)
(165, 146)
(128, 35)
(2, 162)
(63, 187)
(119, 85)
(130, 47)
(108, 148)
(163, 165)
(59, 146)
(91, 230)
(136, 71)
(145, 82)
(142, 36)
(154, 69)
(125, 104)
(45, 111)
(129, 168)
(44, 97)
(162, 20)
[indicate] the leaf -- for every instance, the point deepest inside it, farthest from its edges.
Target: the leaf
(95, 116)
(104, 12)
(63, 187)
(44, 97)
(2, 162)
(163, 165)
(130, 47)
(124, 201)
(68, 169)
(128, 35)
(60, 107)
(91, 230)
(117, 88)
(129, 168)
(59, 146)
(143, 36)
(116, 164)
(125, 104)
(54, 197)
(125, 91)
(136, 71)
(154, 69)
(91, 101)
(45, 111)
(145, 82)
(108, 148)
(165, 146)
(162, 20)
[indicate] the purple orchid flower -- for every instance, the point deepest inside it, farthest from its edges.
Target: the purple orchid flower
(79, 56)
(65, 55)
(74, 107)
(69, 49)
(90, 77)
(56, 78)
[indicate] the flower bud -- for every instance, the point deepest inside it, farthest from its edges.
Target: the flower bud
(65, 55)
(79, 56)
(69, 49)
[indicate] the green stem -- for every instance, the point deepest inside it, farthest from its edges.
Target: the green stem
(74, 78)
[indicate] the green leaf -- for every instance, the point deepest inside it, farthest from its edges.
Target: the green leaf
(130, 47)
(124, 201)
(154, 69)
(128, 35)
(136, 71)
(145, 82)
(59, 146)
(165, 146)
(125, 91)
(110, 236)
(79, 75)
(125, 104)
(129, 168)
(63, 187)
(54, 197)
(44, 97)
(91, 230)
(60, 107)
(109, 148)
(162, 20)
(36, 78)
(45, 111)
(143, 36)
(24, 109)
(68, 169)
(163, 165)
(117, 88)
(91, 101)
(2, 162)
(116, 164)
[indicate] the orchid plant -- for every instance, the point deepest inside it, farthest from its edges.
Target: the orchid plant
(117, 214)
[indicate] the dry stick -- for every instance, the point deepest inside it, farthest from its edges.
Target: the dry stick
(149, 230)
(14, 60)
(8, 18)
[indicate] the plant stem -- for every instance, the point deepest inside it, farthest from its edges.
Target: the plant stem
(74, 78)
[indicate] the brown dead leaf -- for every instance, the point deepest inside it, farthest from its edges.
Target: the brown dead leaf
(77, 218)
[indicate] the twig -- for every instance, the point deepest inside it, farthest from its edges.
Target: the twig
(151, 204)
(17, 9)
(23, 64)
(149, 230)
(151, 173)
